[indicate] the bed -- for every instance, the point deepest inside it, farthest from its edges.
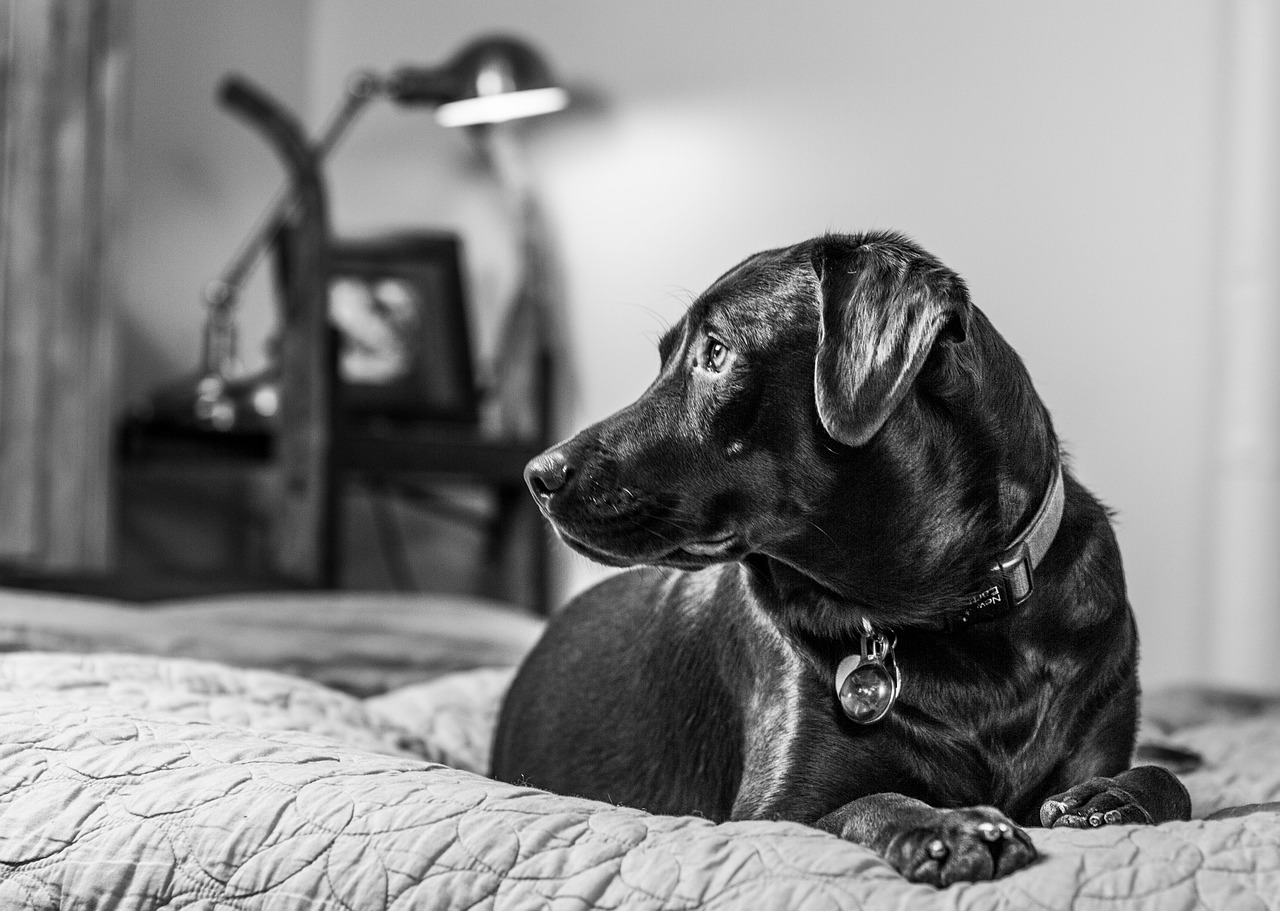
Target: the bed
(310, 753)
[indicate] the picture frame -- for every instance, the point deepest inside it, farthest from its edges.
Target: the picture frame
(399, 309)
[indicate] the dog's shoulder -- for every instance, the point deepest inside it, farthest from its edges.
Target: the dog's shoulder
(591, 710)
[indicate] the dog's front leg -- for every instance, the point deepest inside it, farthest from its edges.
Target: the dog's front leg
(1143, 796)
(928, 845)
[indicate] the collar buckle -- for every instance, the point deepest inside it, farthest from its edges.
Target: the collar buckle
(1012, 582)
(1016, 569)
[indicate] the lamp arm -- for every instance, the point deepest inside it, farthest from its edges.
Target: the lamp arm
(221, 293)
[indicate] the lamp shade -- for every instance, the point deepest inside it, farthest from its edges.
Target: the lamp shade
(496, 79)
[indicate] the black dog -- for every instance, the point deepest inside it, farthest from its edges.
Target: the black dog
(847, 477)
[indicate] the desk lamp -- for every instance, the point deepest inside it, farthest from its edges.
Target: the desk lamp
(491, 80)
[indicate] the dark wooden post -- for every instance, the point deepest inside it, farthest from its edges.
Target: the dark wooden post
(304, 529)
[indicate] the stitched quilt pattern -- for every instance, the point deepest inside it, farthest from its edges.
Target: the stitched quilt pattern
(141, 783)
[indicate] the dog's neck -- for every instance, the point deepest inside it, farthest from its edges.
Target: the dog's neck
(867, 682)
(1011, 578)
(945, 597)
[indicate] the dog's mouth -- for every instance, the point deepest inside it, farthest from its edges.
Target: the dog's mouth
(688, 555)
(713, 547)
(623, 526)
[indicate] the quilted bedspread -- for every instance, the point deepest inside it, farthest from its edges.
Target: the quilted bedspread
(130, 782)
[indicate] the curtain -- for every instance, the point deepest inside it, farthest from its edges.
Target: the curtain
(62, 121)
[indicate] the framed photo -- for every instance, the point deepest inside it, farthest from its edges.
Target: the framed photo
(403, 336)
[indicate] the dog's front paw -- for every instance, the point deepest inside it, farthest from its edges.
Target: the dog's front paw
(1096, 802)
(968, 845)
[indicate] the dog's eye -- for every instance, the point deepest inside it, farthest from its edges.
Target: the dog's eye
(714, 355)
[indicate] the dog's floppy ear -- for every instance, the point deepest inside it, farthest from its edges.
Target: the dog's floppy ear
(884, 303)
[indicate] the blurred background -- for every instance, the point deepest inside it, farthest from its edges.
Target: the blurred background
(1103, 175)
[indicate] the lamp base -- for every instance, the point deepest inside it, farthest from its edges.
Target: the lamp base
(214, 404)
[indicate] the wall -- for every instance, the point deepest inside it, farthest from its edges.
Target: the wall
(1061, 157)
(198, 178)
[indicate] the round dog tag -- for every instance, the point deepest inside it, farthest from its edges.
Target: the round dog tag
(868, 683)
(867, 692)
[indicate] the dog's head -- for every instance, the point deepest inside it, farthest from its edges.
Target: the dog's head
(831, 405)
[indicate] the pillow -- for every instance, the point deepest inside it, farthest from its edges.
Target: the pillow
(360, 643)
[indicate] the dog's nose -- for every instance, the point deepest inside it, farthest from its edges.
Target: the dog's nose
(548, 473)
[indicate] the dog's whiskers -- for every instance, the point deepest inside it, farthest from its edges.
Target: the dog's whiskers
(637, 520)
(825, 534)
(638, 523)
(676, 525)
(644, 523)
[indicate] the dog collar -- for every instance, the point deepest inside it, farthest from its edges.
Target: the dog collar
(868, 682)
(1011, 578)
